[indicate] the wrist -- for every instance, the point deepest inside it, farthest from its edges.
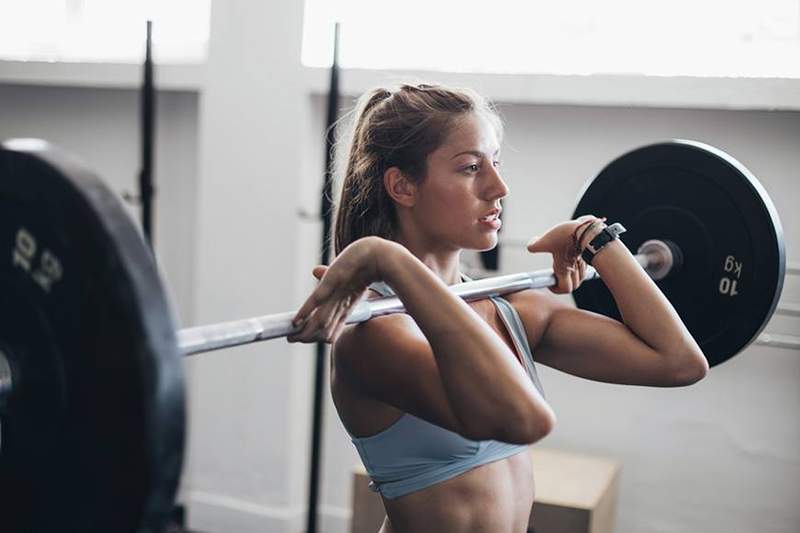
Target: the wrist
(606, 235)
(608, 253)
(590, 233)
(389, 255)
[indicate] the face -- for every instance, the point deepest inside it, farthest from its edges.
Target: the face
(458, 202)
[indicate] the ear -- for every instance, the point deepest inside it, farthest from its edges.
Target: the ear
(400, 188)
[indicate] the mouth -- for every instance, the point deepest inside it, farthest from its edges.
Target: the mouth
(491, 220)
(491, 216)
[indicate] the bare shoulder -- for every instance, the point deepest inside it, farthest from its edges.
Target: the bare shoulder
(536, 308)
(539, 302)
(365, 352)
(362, 348)
(359, 370)
(386, 366)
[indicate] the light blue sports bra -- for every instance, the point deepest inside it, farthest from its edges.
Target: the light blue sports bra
(413, 454)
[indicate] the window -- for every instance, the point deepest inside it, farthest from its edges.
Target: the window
(103, 30)
(752, 38)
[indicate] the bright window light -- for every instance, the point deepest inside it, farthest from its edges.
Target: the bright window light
(736, 38)
(103, 30)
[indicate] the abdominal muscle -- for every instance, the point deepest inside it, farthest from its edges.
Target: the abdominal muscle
(495, 497)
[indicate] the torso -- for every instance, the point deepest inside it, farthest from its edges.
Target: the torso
(495, 497)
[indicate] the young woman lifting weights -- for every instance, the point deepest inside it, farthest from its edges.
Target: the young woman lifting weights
(442, 402)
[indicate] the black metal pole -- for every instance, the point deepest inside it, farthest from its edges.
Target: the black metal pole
(146, 188)
(319, 375)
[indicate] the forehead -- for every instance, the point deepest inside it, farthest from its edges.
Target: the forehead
(474, 131)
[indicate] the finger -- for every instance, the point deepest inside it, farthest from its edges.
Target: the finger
(332, 314)
(344, 310)
(559, 272)
(338, 331)
(316, 323)
(326, 314)
(311, 303)
(584, 218)
(324, 318)
(562, 282)
(318, 296)
(304, 334)
(570, 255)
(319, 271)
(327, 333)
(341, 320)
(537, 244)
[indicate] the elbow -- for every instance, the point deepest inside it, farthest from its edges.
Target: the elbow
(531, 426)
(692, 368)
(526, 420)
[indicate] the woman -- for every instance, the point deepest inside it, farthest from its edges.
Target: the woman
(442, 401)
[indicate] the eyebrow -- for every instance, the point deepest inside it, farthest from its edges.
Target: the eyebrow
(476, 153)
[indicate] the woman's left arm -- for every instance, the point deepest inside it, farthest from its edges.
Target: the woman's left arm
(650, 347)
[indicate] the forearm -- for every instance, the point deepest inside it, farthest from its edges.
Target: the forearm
(644, 308)
(485, 384)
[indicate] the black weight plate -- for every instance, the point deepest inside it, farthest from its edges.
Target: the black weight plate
(92, 436)
(720, 217)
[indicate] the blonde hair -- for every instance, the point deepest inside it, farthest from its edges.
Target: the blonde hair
(394, 129)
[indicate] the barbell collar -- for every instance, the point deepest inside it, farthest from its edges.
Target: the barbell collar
(201, 339)
(660, 258)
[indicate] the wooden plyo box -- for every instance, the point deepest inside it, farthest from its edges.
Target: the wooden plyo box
(575, 493)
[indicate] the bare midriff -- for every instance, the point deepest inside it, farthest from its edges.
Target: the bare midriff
(493, 498)
(496, 497)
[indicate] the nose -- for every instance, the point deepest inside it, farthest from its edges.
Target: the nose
(495, 187)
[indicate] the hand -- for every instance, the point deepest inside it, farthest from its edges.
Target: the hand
(342, 285)
(568, 266)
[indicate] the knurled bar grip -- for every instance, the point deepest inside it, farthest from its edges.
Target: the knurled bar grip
(211, 337)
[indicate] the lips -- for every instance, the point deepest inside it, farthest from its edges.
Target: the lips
(494, 214)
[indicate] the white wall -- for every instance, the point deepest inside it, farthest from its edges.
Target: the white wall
(723, 455)
(250, 405)
(102, 128)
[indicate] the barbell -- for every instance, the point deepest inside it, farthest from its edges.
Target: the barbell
(91, 379)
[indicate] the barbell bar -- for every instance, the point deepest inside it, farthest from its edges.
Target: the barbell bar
(655, 256)
(91, 373)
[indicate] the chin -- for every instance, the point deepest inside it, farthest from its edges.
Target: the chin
(484, 244)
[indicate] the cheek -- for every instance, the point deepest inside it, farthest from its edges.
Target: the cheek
(454, 199)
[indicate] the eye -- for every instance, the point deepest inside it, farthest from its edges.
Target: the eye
(497, 163)
(474, 167)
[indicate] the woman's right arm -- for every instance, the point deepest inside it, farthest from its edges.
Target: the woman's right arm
(446, 365)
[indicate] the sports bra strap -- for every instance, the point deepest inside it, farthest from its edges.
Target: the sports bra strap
(381, 288)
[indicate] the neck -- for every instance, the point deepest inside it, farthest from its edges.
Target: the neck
(444, 262)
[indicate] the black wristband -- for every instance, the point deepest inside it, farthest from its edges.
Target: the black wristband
(606, 235)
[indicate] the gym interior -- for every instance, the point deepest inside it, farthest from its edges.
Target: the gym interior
(239, 164)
